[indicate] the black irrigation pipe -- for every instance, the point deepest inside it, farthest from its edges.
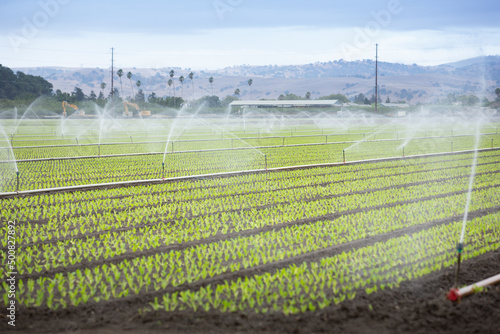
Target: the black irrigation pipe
(222, 174)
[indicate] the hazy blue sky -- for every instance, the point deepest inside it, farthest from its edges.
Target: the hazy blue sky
(210, 34)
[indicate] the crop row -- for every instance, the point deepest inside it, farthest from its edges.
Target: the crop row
(346, 179)
(101, 215)
(173, 269)
(316, 285)
(60, 173)
(41, 257)
(204, 188)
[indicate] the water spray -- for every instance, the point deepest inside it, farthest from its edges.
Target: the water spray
(460, 245)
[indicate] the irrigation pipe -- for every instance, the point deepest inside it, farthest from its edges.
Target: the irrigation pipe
(198, 151)
(227, 139)
(456, 294)
(221, 174)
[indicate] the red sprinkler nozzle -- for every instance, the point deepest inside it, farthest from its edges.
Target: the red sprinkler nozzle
(453, 295)
(456, 294)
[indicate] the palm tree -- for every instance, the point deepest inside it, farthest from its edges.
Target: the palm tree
(181, 79)
(171, 76)
(191, 76)
(237, 92)
(120, 74)
(129, 76)
(250, 82)
(138, 84)
(170, 82)
(103, 85)
(211, 80)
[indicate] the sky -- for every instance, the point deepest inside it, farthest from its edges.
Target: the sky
(214, 34)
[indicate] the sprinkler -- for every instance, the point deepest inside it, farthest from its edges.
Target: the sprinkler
(403, 151)
(163, 167)
(265, 158)
(99, 149)
(456, 294)
(17, 185)
(343, 155)
(460, 245)
(76, 141)
(172, 147)
(460, 248)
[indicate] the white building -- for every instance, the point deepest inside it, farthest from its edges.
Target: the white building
(287, 104)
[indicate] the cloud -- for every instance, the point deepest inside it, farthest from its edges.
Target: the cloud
(198, 34)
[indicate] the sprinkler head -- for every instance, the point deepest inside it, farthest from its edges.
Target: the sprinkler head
(460, 247)
(453, 295)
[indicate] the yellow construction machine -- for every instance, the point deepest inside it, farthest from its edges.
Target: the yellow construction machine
(77, 111)
(141, 113)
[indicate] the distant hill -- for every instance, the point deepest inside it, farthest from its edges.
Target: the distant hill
(411, 83)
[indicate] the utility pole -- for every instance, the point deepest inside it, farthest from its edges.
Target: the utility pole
(112, 74)
(376, 76)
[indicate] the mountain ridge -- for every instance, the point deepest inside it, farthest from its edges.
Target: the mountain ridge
(400, 82)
